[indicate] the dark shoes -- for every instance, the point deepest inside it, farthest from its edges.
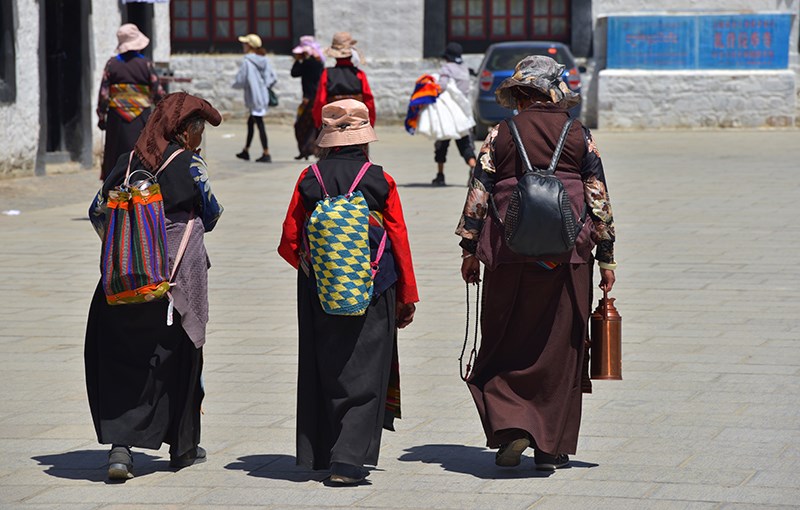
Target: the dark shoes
(301, 156)
(546, 462)
(243, 155)
(194, 456)
(266, 158)
(509, 454)
(347, 474)
(120, 463)
(439, 180)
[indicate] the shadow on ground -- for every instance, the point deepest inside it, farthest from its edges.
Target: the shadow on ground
(478, 462)
(92, 465)
(276, 467)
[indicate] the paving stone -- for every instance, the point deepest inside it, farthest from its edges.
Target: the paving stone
(705, 417)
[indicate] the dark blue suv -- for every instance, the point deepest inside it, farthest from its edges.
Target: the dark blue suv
(498, 64)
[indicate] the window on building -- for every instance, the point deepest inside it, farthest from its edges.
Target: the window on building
(8, 62)
(215, 25)
(477, 23)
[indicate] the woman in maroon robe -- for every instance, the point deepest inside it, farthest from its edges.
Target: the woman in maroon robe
(526, 381)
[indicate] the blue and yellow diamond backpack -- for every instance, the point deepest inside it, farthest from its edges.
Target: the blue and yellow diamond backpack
(338, 245)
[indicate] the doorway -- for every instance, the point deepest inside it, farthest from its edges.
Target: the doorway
(65, 98)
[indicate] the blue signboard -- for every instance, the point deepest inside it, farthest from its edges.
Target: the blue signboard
(651, 42)
(746, 41)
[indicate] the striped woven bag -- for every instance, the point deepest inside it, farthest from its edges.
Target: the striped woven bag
(338, 244)
(134, 261)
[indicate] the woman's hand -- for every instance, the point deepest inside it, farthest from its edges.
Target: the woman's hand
(471, 269)
(607, 279)
(404, 314)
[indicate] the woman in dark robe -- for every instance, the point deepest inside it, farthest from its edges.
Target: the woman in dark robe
(346, 362)
(308, 65)
(142, 374)
(526, 382)
(128, 89)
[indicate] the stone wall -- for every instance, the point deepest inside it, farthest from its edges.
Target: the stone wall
(630, 99)
(392, 82)
(105, 21)
(19, 121)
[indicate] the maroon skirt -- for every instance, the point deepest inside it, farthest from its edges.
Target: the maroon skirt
(527, 374)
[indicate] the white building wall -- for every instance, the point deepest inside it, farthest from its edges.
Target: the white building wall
(389, 35)
(654, 99)
(105, 21)
(18, 153)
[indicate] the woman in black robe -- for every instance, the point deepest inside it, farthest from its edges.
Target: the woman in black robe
(346, 369)
(142, 374)
(128, 90)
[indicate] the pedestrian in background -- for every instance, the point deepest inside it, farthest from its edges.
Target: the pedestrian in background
(142, 374)
(456, 72)
(255, 77)
(346, 362)
(343, 81)
(128, 90)
(526, 382)
(308, 65)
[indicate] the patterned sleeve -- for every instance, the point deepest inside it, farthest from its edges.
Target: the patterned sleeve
(211, 209)
(97, 213)
(480, 188)
(596, 195)
(103, 98)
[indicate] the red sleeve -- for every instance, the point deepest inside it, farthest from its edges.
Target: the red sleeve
(321, 99)
(291, 237)
(369, 99)
(395, 227)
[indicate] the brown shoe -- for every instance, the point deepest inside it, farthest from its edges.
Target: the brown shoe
(509, 454)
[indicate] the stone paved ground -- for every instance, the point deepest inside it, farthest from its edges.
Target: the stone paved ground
(707, 416)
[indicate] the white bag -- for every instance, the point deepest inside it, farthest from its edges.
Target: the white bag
(449, 118)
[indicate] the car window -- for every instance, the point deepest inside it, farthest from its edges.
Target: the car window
(507, 58)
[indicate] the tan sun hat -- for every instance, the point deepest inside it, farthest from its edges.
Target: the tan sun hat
(345, 122)
(341, 46)
(129, 38)
(252, 39)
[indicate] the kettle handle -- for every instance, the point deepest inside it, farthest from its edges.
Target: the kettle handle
(605, 303)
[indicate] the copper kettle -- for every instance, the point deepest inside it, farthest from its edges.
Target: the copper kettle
(606, 349)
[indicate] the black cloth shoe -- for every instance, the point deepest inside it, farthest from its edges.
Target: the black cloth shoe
(546, 462)
(439, 180)
(195, 456)
(509, 455)
(120, 463)
(266, 158)
(301, 156)
(243, 155)
(347, 474)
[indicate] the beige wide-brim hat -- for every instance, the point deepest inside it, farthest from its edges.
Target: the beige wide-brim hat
(129, 38)
(252, 39)
(539, 73)
(345, 122)
(341, 46)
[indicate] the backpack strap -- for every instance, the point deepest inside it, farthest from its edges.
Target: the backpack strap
(168, 161)
(358, 178)
(523, 154)
(315, 169)
(128, 172)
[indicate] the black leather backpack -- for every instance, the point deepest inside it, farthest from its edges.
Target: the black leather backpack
(539, 220)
